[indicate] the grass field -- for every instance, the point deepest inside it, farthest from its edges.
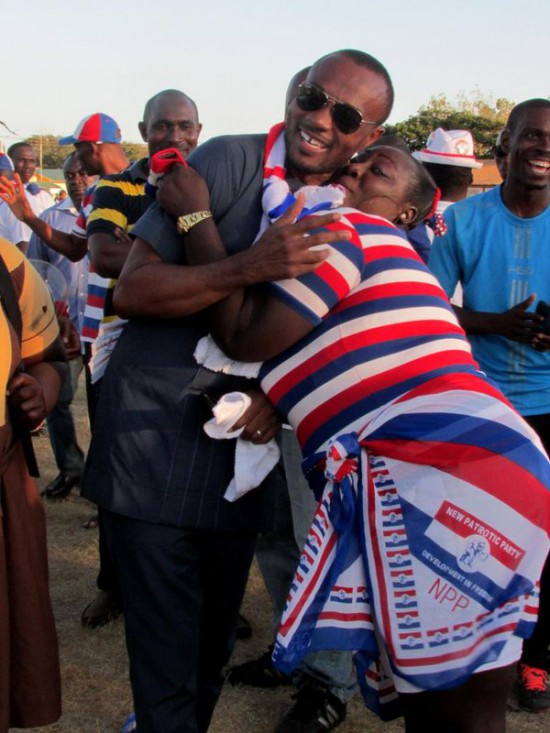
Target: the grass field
(96, 693)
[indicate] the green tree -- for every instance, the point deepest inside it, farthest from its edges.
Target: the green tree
(477, 112)
(135, 151)
(53, 154)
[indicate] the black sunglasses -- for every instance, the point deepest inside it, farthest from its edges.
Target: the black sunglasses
(347, 119)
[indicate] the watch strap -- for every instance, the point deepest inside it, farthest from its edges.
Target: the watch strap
(188, 221)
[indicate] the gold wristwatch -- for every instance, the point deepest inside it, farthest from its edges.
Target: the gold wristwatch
(188, 221)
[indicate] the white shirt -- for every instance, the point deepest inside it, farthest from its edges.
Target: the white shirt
(62, 216)
(14, 230)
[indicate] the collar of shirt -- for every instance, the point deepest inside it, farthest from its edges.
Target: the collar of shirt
(67, 205)
(139, 170)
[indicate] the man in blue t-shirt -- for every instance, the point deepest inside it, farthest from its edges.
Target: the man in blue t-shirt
(497, 248)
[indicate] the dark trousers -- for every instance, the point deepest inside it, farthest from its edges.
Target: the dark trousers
(535, 650)
(69, 457)
(106, 577)
(181, 591)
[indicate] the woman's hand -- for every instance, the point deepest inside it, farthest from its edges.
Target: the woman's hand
(26, 400)
(261, 422)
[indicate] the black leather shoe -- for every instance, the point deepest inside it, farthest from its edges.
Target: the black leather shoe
(102, 610)
(61, 486)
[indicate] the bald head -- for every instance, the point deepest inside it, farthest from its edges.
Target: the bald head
(170, 120)
(168, 95)
(368, 62)
(522, 109)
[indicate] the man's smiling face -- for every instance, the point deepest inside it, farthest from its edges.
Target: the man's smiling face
(316, 148)
(529, 146)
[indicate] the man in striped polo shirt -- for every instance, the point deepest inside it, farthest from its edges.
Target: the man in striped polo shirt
(97, 140)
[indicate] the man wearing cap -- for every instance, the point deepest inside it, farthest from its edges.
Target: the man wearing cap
(24, 165)
(449, 158)
(97, 140)
(99, 144)
(497, 247)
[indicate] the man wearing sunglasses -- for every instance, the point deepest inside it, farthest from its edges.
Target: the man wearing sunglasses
(311, 148)
(162, 489)
(327, 680)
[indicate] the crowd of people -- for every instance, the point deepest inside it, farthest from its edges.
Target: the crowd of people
(386, 447)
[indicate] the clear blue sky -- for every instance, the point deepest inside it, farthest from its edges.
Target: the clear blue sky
(63, 60)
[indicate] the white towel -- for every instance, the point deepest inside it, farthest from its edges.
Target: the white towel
(252, 462)
(208, 354)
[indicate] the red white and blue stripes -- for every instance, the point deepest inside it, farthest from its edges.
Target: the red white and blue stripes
(434, 517)
(97, 285)
(383, 326)
(427, 569)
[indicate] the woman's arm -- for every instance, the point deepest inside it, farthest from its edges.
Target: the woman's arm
(34, 392)
(148, 286)
(253, 324)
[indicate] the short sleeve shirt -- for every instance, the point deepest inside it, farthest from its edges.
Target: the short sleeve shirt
(39, 324)
(500, 259)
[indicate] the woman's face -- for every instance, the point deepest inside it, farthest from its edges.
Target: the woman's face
(377, 182)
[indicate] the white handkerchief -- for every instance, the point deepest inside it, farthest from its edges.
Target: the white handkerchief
(252, 462)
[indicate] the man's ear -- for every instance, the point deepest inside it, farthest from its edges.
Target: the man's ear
(505, 140)
(142, 127)
(409, 215)
(374, 135)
